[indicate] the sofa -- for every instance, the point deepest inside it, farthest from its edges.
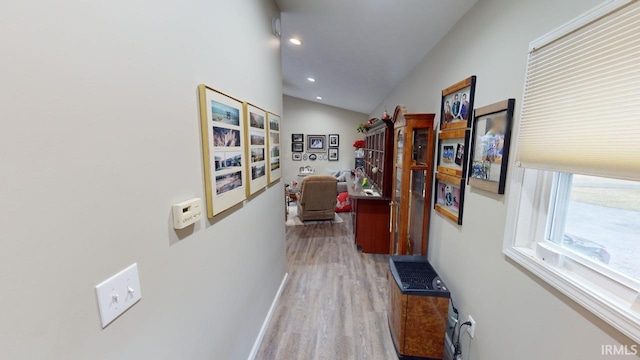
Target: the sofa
(341, 177)
(317, 198)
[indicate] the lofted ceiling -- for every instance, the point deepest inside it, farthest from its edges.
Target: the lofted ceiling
(358, 51)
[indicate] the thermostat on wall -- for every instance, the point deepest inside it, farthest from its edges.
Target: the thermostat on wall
(187, 213)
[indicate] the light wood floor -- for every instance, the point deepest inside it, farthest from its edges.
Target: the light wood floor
(334, 303)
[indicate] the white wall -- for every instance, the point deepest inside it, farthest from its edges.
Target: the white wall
(100, 135)
(310, 118)
(518, 316)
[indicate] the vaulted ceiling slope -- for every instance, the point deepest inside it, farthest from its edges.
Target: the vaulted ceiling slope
(358, 51)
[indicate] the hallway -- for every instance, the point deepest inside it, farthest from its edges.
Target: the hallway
(334, 303)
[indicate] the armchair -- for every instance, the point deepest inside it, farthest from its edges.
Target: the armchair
(317, 199)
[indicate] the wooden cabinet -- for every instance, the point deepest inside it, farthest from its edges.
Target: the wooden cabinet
(412, 169)
(370, 213)
(378, 154)
(370, 218)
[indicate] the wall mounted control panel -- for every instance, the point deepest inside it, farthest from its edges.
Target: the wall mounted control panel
(118, 293)
(187, 213)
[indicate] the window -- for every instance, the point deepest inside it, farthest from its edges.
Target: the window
(574, 195)
(597, 220)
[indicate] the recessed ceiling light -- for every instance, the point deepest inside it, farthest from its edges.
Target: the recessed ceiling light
(319, 97)
(295, 41)
(311, 79)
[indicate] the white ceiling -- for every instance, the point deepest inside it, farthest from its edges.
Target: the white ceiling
(359, 50)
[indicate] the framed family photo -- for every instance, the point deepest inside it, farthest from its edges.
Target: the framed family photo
(334, 140)
(490, 142)
(449, 197)
(222, 120)
(316, 143)
(452, 152)
(456, 108)
(297, 138)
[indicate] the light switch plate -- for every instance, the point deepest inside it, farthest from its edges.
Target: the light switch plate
(118, 293)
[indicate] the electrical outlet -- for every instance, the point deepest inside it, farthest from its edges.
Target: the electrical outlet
(471, 329)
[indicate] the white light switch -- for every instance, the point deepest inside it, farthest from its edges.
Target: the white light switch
(118, 293)
(186, 213)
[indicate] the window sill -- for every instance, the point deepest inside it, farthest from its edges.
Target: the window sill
(623, 314)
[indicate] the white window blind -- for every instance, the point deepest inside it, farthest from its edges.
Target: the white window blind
(581, 106)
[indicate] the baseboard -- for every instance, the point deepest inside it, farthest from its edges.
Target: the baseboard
(265, 324)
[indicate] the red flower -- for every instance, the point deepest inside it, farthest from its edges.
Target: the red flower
(358, 144)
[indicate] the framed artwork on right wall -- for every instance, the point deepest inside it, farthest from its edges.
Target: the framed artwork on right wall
(456, 108)
(449, 197)
(452, 152)
(490, 144)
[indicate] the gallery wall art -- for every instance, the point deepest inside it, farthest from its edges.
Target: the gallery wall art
(449, 197)
(317, 143)
(456, 115)
(490, 146)
(222, 120)
(256, 150)
(274, 168)
(456, 108)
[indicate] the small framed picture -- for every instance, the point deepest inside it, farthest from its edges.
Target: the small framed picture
(297, 147)
(449, 197)
(333, 154)
(490, 146)
(334, 140)
(297, 138)
(316, 143)
(452, 152)
(296, 157)
(457, 104)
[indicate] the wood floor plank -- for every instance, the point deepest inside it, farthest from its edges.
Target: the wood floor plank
(335, 300)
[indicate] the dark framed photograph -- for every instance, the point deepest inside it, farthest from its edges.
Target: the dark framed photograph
(490, 141)
(334, 140)
(297, 138)
(449, 197)
(452, 152)
(456, 108)
(316, 143)
(296, 157)
(333, 154)
(297, 147)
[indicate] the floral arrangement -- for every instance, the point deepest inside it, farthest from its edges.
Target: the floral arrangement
(364, 127)
(359, 144)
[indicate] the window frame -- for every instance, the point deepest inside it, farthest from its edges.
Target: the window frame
(533, 197)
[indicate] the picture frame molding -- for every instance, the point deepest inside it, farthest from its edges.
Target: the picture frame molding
(497, 187)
